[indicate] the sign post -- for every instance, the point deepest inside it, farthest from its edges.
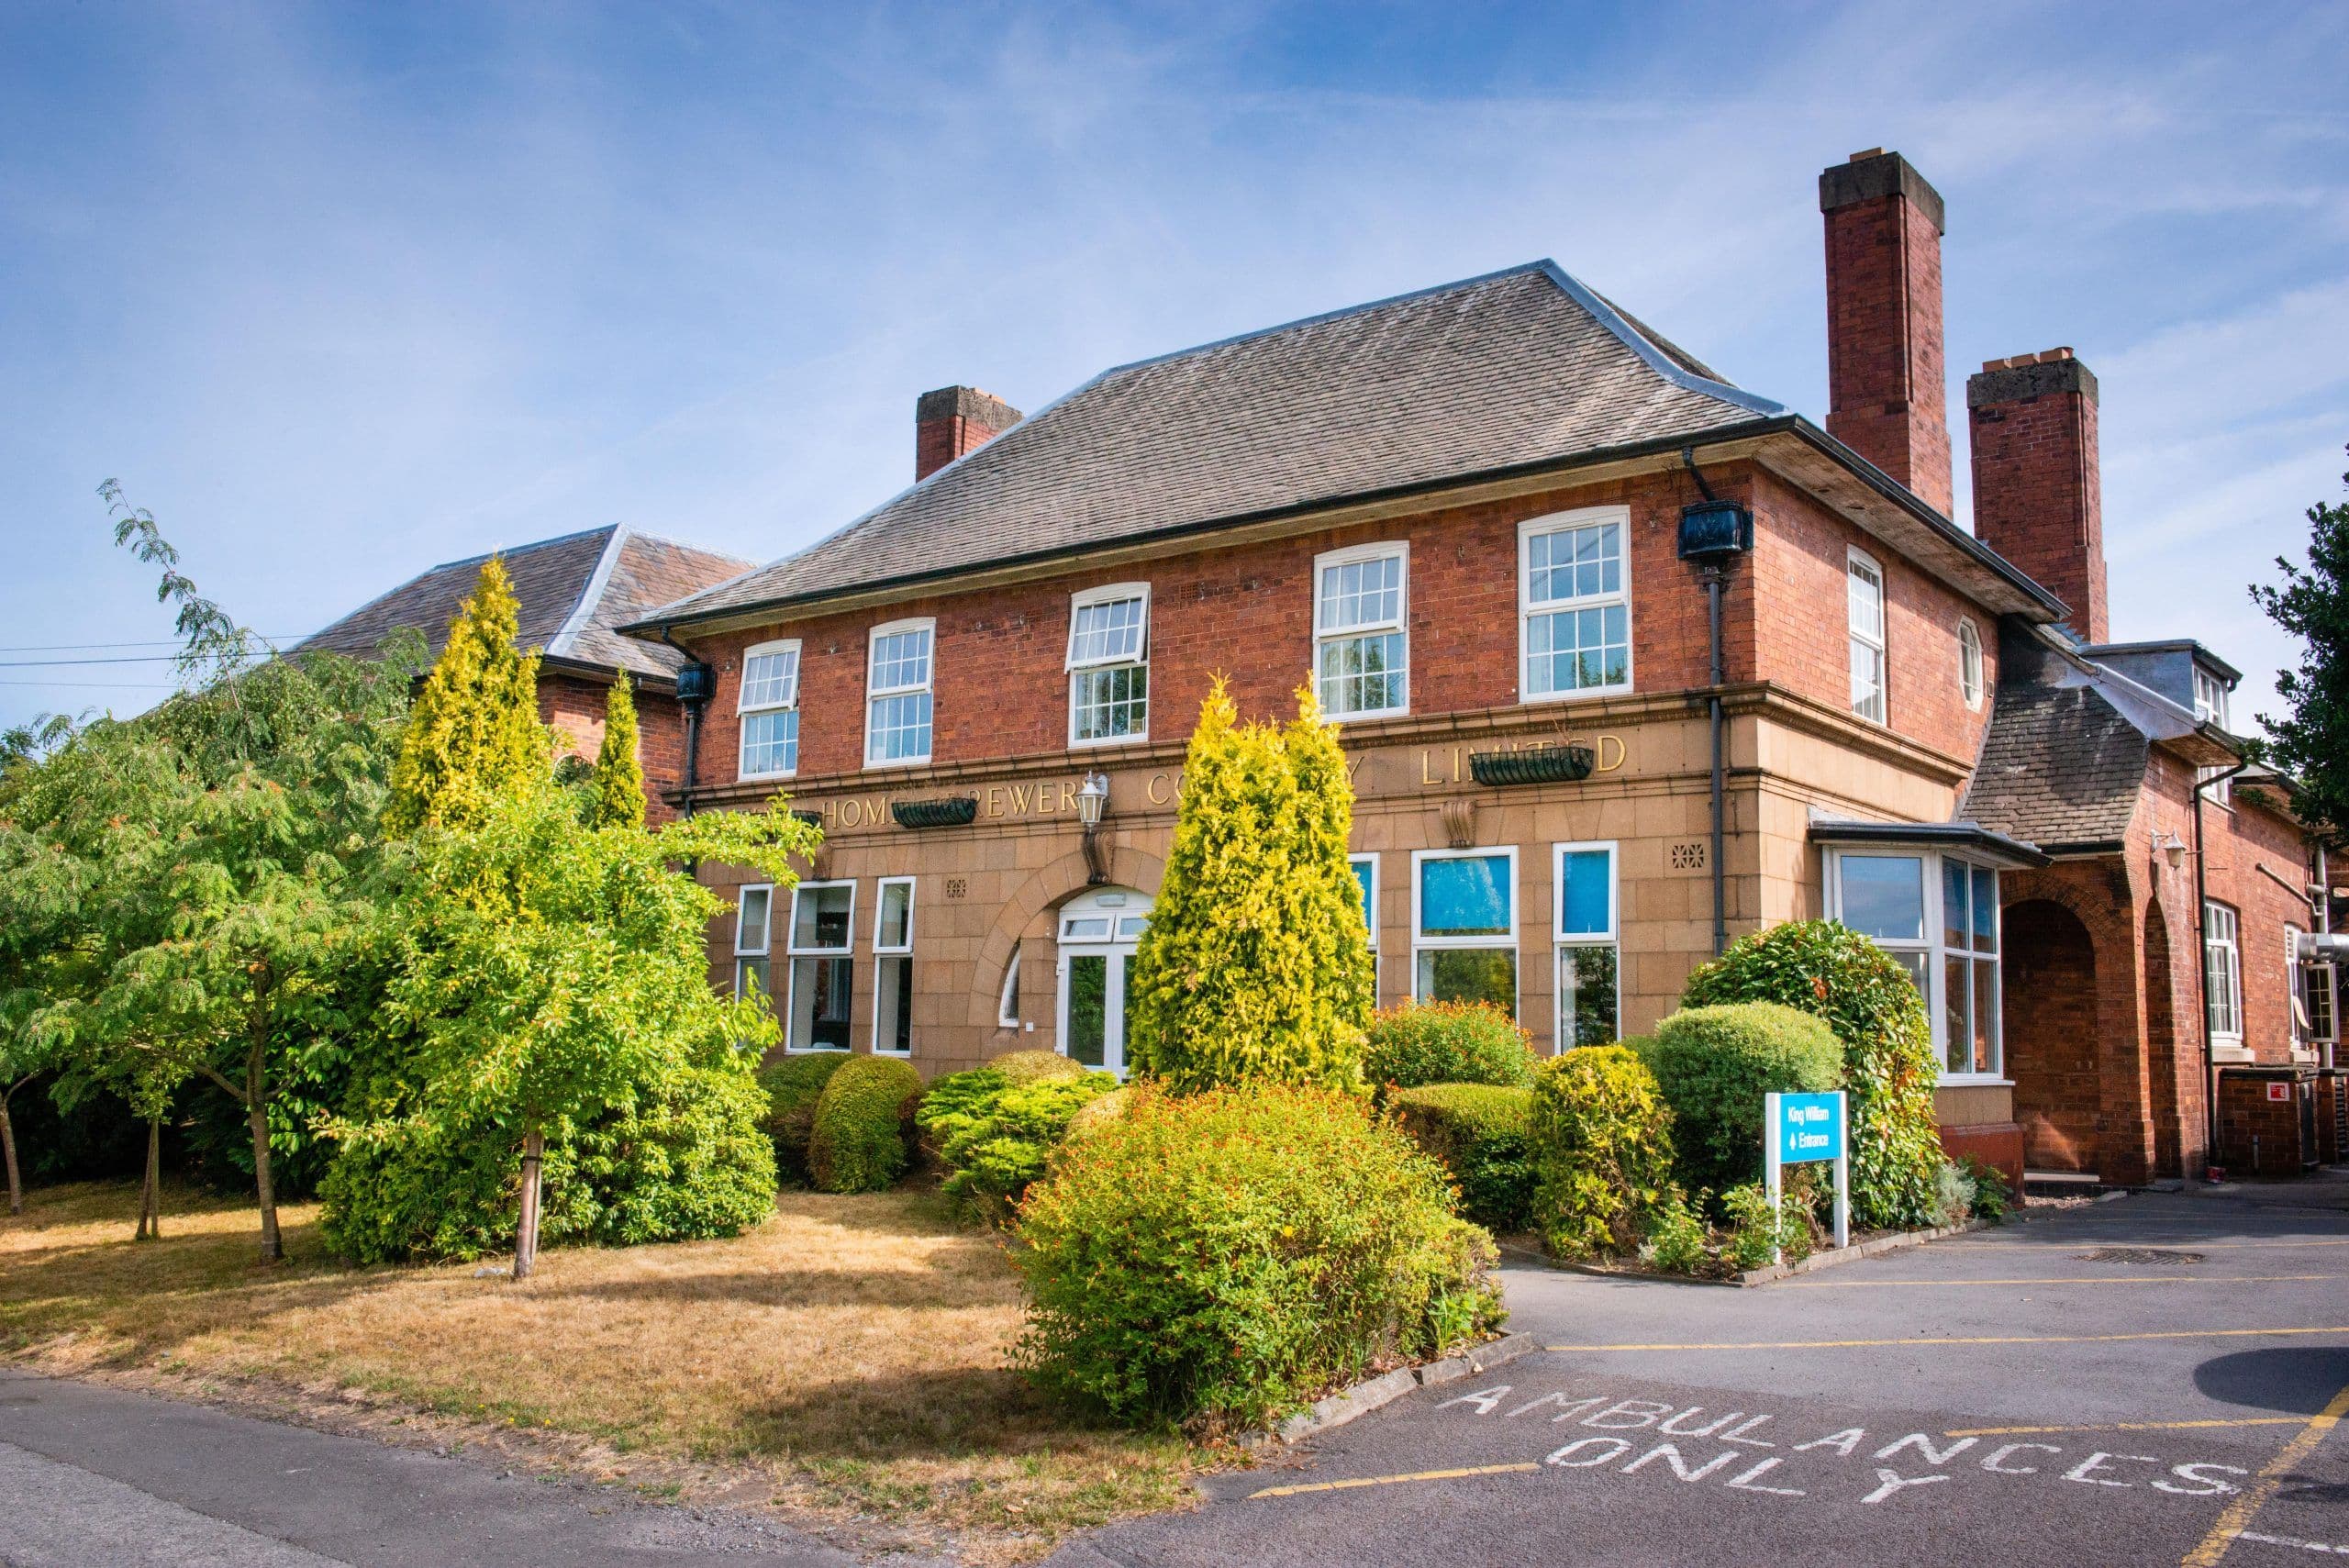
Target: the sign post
(1797, 1129)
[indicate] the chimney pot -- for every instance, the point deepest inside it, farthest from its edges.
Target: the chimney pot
(1887, 399)
(952, 421)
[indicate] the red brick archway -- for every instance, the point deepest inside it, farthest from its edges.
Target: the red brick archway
(2160, 1044)
(2051, 1034)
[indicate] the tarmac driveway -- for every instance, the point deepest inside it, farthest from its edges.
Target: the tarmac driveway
(2150, 1380)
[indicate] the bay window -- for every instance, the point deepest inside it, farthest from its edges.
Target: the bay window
(1936, 914)
(1361, 644)
(1464, 924)
(1574, 603)
(1588, 946)
(2222, 973)
(823, 921)
(893, 967)
(1109, 664)
(1863, 606)
(768, 703)
(897, 693)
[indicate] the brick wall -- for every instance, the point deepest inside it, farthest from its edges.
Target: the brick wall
(2238, 843)
(574, 707)
(2259, 1136)
(2038, 497)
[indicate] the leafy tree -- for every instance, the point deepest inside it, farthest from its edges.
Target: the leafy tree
(619, 778)
(473, 735)
(2311, 741)
(1255, 965)
(551, 976)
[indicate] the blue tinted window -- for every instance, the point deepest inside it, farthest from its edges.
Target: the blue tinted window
(1585, 893)
(1363, 871)
(1884, 896)
(1466, 898)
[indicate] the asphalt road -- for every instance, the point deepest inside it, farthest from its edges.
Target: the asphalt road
(2141, 1381)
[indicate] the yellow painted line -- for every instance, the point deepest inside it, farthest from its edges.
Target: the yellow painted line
(1999, 1339)
(1395, 1480)
(2246, 1507)
(2128, 1427)
(2053, 1245)
(2075, 1279)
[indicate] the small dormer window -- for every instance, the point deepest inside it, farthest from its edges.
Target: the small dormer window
(2209, 698)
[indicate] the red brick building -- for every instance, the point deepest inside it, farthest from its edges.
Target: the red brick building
(1494, 524)
(572, 592)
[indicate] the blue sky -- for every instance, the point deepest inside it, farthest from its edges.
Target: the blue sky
(341, 292)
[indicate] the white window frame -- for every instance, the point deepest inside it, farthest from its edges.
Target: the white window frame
(1399, 625)
(1006, 1003)
(2211, 708)
(793, 952)
(1561, 939)
(766, 944)
(745, 709)
(2231, 945)
(1421, 943)
(1371, 912)
(884, 951)
(1934, 945)
(1077, 668)
(874, 694)
(1562, 522)
(1856, 560)
(1971, 683)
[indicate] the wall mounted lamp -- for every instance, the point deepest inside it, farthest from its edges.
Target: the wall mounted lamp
(2173, 849)
(1092, 800)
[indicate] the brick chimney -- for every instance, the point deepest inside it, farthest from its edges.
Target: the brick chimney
(1887, 399)
(2038, 497)
(953, 419)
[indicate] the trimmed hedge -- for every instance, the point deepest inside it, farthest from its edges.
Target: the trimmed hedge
(1224, 1256)
(861, 1121)
(1602, 1151)
(793, 1085)
(1826, 969)
(1714, 1065)
(1093, 1115)
(1005, 1143)
(1421, 1043)
(1027, 1066)
(952, 1103)
(1480, 1132)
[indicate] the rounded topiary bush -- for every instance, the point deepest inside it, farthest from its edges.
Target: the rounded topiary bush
(1094, 1114)
(860, 1140)
(1026, 1066)
(1826, 969)
(1447, 1042)
(1478, 1131)
(1221, 1257)
(1601, 1139)
(1714, 1065)
(793, 1085)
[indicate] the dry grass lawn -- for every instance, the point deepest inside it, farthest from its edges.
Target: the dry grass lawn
(848, 1358)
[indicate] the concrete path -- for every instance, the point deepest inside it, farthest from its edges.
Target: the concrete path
(95, 1477)
(2150, 1380)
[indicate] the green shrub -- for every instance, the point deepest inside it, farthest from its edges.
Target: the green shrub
(1447, 1042)
(1026, 1066)
(1602, 1151)
(1831, 972)
(950, 1104)
(1993, 1199)
(1755, 1233)
(1677, 1241)
(793, 1085)
(1478, 1131)
(690, 1163)
(1953, 1194)
(1094, 1115)
(1714, 1065)
(1005, 1142)
(1224, 1256)
(862, 1121)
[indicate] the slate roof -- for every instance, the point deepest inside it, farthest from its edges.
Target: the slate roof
(2060, 765)
(572, 592)
(1514, 368)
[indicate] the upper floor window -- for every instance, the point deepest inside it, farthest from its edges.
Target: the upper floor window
(769, 704)
(1969, 663)
(2223, 971)
(897, 693)
(1574, 603)
(1863, 593)
(1109, 664)
(1361, 648)
(2209, 698)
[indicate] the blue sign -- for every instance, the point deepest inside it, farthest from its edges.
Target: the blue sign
(1807, 1127)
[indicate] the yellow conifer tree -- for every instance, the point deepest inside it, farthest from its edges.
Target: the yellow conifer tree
(472, 735)
(619, 777)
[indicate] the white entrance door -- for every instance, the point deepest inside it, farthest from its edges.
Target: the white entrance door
(1098, 933)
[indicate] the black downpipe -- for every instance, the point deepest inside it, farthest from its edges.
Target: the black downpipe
(2202, 968)
(692, 730)
(1715, 577)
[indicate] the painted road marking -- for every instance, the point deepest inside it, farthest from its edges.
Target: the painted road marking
(1524, 1469)
(2196, 1243)
(1997, 1340)
(2128, 1427)
(2245, 1506)
(2079, 1279)
(2289, 1540)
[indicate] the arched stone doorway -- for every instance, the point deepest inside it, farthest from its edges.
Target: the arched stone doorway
(2050, 998)
(2161, 1045)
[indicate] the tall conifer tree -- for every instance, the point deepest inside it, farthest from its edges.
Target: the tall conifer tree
(2311, 738)
(1255, 965)
(473, 734)
(619, 777)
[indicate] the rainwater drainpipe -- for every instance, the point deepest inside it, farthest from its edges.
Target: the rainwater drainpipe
(695, 681)
(1713, 534)
(2202, 941)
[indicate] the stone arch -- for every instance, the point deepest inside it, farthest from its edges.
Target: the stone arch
(2161, 1045)
(1047, 888)
(2053, 1033)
